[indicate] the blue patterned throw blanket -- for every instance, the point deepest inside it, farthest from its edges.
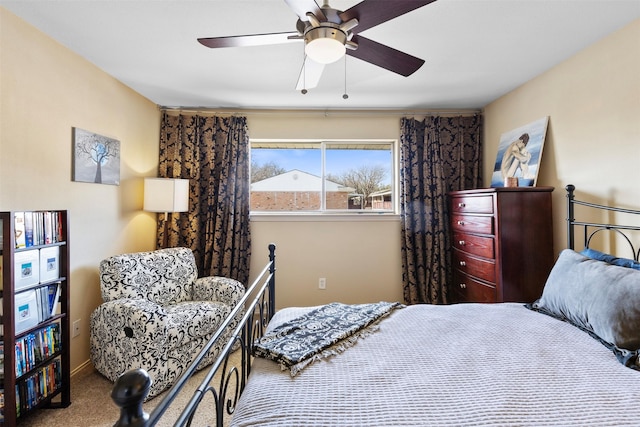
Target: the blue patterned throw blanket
(322, 332)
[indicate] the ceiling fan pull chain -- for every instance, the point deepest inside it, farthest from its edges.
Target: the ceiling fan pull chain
(304, 74)
(345, 96)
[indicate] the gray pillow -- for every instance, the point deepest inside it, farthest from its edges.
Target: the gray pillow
(599, 297)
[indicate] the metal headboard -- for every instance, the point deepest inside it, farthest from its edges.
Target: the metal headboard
(590, 229)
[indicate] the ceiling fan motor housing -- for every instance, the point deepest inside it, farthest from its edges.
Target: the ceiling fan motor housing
(325, 44)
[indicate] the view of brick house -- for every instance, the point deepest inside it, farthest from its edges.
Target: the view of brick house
(296, 190)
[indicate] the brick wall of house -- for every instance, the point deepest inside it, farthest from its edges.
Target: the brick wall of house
(295, 200)
(337, 200)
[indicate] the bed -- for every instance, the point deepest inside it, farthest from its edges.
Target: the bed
(568, 359)
(466, 364)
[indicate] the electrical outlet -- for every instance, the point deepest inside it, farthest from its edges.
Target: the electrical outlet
(76, 328)
(322, 283)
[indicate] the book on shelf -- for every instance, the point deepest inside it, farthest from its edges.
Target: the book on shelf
(26, 310)
(47, 301)
(49, 263)
(38, 385)
(37, 228)
(28, 229)
(48, 228)
(59, 230)
(36, 347)
(19, 230)
(34, 306)
(54, 298)
(26, 268)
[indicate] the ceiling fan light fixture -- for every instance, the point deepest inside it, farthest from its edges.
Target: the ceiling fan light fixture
(325, 44)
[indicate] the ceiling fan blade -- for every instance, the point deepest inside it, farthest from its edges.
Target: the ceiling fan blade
(370, 13)
(249, 40)
(310, 74)
(385, 56)
(301, 7)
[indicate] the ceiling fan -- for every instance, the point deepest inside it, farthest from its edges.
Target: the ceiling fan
(329, 34)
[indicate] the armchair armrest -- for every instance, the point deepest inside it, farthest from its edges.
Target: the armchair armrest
(125, 333)
(216, 288)
(143, 320)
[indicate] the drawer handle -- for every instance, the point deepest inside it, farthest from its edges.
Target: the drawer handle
(462, 263)
(460, 222)
(463, 285)
(461, 205)
(462, 242)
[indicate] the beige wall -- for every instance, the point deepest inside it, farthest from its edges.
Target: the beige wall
(593, 138)
(45, 91)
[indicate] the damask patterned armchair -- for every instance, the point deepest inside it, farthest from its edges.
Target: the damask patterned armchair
(157, 315)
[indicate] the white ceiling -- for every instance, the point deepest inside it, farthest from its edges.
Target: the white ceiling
(475, 50)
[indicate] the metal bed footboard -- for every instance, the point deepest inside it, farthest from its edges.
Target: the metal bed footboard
(591, 229)
(131, 388)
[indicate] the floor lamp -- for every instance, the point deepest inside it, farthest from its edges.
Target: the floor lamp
(166, 195)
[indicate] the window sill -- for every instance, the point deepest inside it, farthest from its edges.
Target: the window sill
(322, 217)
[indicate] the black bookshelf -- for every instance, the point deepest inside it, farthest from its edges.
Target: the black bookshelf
(35, 320)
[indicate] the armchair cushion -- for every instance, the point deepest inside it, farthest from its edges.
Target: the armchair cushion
(190, 320)
(157, 315)
(164, 276)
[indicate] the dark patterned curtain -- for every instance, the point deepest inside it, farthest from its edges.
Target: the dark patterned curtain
(213, 153)
(437, 155)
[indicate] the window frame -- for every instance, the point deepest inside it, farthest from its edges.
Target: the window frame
(334, 213)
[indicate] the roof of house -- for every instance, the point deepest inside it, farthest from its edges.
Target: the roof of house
(297, 180)
(386, 192)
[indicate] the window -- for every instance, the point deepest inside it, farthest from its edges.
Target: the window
(323, 176)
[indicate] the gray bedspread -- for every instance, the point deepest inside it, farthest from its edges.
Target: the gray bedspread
(457, 365)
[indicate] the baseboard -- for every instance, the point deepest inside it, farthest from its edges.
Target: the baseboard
(86, 365)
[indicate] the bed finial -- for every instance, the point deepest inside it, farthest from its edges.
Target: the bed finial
(570, 217)
(129, 392)
(272, 280)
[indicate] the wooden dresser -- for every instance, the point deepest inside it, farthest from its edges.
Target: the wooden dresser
(502, 243)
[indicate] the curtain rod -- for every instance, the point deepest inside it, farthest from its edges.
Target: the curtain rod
(325, 112)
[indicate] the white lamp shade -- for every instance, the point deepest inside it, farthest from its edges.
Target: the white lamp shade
(166, 195)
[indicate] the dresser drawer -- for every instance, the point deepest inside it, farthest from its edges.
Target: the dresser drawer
(481, 268)
(472, 223)
(477, 245)
(472, 204)
(469, 289)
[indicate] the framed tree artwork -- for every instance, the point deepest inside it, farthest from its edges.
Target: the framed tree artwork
(519, 154)
(96, 158)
